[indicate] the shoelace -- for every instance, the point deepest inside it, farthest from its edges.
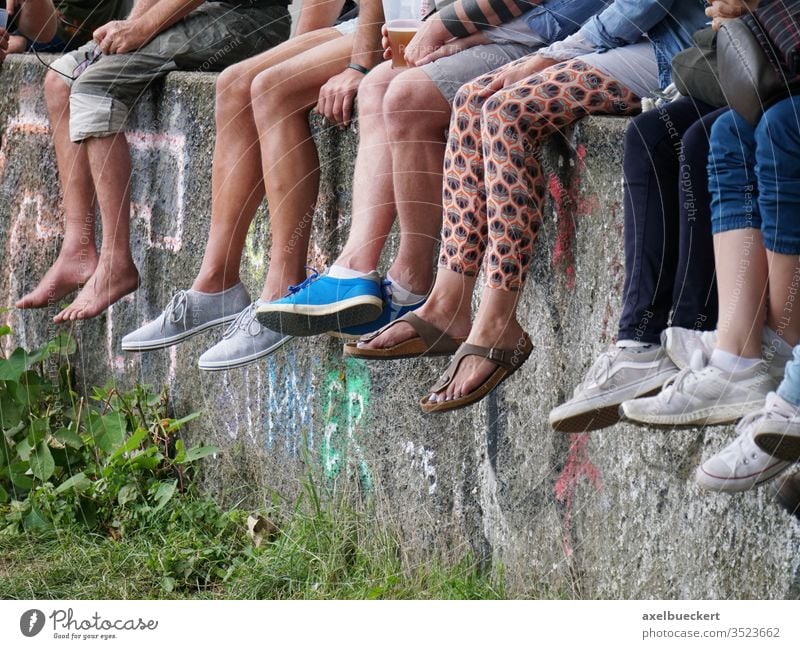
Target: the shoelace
(687, 376)
(296, 288)
(176, 309)
(601, 369)
(245, 321)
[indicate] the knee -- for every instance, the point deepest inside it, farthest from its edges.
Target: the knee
(56, 92)
(410, 110)
(644, 131)
(268, 92)
(233, 91)
(729, 132)
(778, 128)
(371, 93)
(469, 98)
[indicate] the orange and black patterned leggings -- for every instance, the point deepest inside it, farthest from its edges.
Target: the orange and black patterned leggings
(493, 185)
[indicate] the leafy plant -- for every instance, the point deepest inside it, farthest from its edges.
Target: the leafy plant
(105, 462)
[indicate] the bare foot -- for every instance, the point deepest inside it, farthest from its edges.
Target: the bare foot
(454, 325)
(109, 283)
(474, 370)
(67, 274)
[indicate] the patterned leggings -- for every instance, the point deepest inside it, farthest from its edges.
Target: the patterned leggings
(494, 189)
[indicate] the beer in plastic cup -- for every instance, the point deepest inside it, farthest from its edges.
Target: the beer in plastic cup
(401, 31)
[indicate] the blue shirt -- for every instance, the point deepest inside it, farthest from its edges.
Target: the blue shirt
(554, 20)
(669, 24)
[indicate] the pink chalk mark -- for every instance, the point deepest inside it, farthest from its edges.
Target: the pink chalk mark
(568, 205)
(578, 466)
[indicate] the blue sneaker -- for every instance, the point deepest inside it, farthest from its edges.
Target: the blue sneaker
(390, 313)
(322, 303)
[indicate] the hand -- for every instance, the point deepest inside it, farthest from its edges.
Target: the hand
(121, 36)
(431, 36)
(523, 69)
(722, 10)
(12, 6)
(3, 44)
(385, 44)
(456, 45)
(336, 96)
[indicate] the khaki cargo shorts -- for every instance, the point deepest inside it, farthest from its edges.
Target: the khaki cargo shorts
(212, 37)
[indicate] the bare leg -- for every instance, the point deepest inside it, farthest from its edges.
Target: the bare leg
(116, 274)
(741, 264)
(373, 191)
(784, 300)
(77, 259)
(417, 116)
(282, 98)
(38, 20)
(495, 326)
(237, 187)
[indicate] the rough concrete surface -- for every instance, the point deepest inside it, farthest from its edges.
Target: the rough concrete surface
(606, 515)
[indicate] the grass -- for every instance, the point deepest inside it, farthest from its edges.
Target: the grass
(198, 551)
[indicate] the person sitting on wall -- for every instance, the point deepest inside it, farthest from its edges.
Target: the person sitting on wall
(89, 93)
(60, 26)
(403, 114)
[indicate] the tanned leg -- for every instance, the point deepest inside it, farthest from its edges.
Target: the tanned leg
(237, 186)
(282, 99)
(77, 259)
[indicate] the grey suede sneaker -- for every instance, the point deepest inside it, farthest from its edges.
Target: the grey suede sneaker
(243, 343)
(188, 313)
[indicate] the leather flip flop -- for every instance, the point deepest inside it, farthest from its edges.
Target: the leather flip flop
(429, 341)
(508, 361)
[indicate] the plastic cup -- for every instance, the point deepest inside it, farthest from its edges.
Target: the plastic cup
(403, 20)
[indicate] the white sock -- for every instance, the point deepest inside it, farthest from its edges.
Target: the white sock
(635, 344)
(731, 362)
(401, 295)
(772, 341)
(342, 272)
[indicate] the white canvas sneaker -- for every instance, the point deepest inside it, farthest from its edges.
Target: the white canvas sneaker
(618, 374)
(681, 343)
(699, 396)
(778, 431)
(742, 465)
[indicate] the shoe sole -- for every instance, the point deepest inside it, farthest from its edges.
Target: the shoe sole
(702, 417)
(730, 485)
(164, 343)
(320, 320)
(596, 419)
(779, 445)
(218, 366)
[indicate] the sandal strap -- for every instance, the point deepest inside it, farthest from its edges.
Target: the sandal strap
(508, 359)
(436, 340)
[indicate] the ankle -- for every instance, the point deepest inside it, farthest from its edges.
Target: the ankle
(214, 281)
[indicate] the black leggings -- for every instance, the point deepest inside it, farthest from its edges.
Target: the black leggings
(669, 255)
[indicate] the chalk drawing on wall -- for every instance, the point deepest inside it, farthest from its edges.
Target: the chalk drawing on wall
(346, 395)
(422, 461)
(578, 467)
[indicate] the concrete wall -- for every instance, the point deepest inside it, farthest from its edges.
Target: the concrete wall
(610, 514)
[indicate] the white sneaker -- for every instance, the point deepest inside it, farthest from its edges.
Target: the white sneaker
(681, 343)
(741, 465)
(778, 431)
(699, 396)
(617, 374)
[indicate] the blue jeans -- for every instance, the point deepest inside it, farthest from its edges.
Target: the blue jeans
(754, 175)
(789, 388)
